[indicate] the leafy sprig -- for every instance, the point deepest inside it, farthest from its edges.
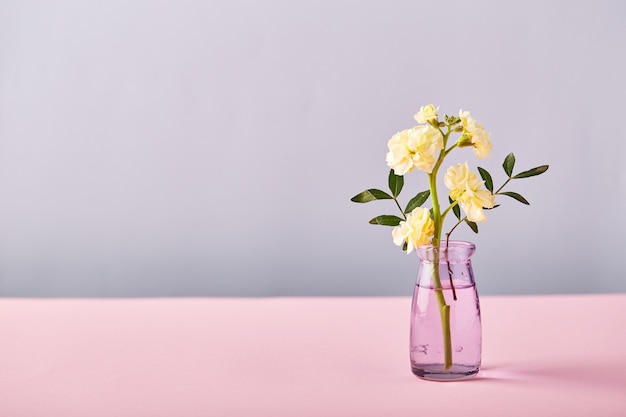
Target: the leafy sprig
(508, 165)
(466, 190)
(396, 185)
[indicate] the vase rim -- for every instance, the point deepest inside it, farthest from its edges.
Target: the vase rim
(457, 250)
(452, 243)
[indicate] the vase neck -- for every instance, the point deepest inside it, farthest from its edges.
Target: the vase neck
(454, 251)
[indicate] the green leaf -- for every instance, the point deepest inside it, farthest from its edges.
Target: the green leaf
(405, 246)
(532, 172)
(472, 225)
(417, 201)
(371, 195)
(396, 182)
(486, 176)
(508, 164)
(456, 210)
(487, 208)
(386, 220)
(516, 196)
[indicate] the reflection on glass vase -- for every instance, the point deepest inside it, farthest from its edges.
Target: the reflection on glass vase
(445, 338)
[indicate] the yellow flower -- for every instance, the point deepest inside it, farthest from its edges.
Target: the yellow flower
(417, 230)
(414, 148)
(466, 188)
(426, 114)
(476, 133)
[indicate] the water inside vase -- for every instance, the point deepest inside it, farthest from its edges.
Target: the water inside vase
(427, 350)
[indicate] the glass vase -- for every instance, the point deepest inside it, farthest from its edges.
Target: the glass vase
(446, 335)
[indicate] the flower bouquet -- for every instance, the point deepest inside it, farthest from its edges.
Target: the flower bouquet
(425, 147)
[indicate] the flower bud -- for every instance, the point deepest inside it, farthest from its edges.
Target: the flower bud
(465, 140)
(427, 114)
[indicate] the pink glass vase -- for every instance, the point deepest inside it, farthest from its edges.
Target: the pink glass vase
(445, 339)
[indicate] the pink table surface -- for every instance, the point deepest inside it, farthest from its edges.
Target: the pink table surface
(542, 356)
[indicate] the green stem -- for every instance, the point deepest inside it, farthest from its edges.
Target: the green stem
(452, 230)
(399, 208)
(432, 177)
(445, 213)
(450, 149)
(503, 185)
(448, 260)
(444, 308)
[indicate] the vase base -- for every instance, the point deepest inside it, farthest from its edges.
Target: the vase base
(436, 372)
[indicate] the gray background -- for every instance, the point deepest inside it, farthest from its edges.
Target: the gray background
(181, 148)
